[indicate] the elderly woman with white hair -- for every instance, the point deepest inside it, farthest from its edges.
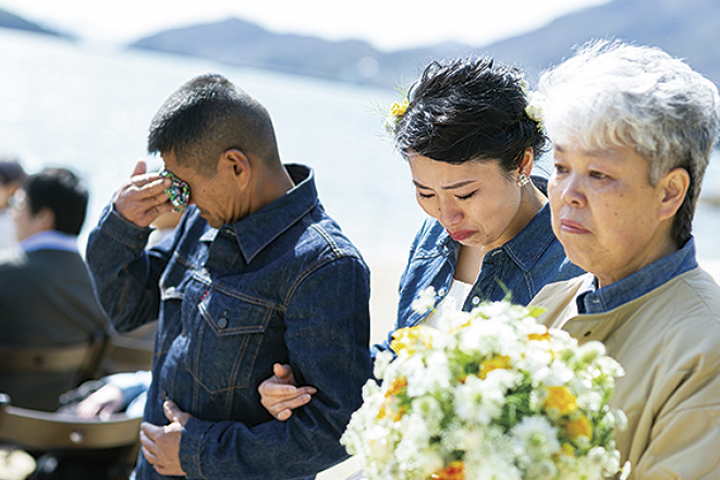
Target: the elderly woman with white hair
(633, 130)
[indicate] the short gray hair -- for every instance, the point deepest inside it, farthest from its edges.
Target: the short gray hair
(610, 94)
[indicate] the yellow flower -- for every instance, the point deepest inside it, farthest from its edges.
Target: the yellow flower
(388, 409)
(493, 364)
(561, 399)
(407, 340)
(397, 387)
(454, 471)
(540, 336)
(580, 427)
(398, 109)
(567, 449)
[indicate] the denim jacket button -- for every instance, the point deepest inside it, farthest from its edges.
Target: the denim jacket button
(222, 322)
(442, 292)
(476, 300)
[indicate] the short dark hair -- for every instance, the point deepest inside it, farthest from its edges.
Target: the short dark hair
(207, 116)
(469, 109)
(61, 191)
(11, 170)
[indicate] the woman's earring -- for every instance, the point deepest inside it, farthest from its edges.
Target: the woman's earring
(522, 180)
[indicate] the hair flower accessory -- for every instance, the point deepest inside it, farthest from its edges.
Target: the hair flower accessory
(534, 109)
(397, 110)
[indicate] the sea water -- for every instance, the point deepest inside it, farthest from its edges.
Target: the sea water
(88, 107)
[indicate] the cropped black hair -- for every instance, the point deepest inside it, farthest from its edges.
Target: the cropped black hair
(469, 109)
(207, 116)
(61, 191)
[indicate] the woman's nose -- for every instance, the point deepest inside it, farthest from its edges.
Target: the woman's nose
(449, 214)
(571, 191)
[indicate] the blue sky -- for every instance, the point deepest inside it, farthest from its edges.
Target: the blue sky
(387, 24)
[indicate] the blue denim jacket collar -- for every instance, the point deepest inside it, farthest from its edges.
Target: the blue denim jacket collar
(257, 231)
(524, 248)
(600, 300)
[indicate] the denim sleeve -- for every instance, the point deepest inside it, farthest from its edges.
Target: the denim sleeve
(327, 338)
(125, 277)
(385, 344)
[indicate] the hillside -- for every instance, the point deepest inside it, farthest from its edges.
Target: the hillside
(688, 29)
(241, 43)
(12, 21)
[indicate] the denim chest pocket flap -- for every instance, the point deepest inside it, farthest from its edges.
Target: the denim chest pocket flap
(225, 340)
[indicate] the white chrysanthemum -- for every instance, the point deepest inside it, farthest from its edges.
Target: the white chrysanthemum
(431, 462)
(432, 375)
(590, 401)
(378, 446)
(535, 361)
(430, 409)
(451, 319)
(558, 374)
(492, 462)
(501, 380)
(382, 362)
(486, 338)
(425, 301)
(476, 403)
(536, 437)
(590, 351)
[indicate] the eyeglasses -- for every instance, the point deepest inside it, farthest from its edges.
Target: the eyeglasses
(178, 192)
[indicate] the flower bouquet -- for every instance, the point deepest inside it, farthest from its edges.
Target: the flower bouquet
(492, 394)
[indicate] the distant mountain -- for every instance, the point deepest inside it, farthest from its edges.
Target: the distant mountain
(12, 21)
(237, 42)
(689, 29)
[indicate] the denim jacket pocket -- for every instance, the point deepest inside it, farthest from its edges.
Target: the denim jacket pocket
(169, 320)
(223, 349)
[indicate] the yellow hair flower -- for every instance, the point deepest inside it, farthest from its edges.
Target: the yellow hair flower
(398, 109)
(561, 399)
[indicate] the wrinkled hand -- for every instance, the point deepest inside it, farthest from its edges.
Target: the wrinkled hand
(142, 199)
(102, 403)
(280, 396)
(161, 444)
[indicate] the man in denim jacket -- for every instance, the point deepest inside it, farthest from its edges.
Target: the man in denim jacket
(257, 273)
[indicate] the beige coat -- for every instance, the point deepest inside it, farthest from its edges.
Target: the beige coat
(668, 342)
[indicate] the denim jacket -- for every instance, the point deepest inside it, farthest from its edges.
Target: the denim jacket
(281, 285)
(521, 267)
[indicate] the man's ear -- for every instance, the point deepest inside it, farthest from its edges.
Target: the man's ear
(674, 187)
(44, 220)
(239, 164)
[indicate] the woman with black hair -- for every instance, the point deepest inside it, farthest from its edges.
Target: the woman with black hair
(470, 137)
